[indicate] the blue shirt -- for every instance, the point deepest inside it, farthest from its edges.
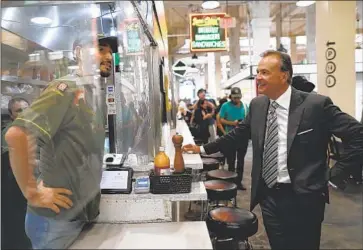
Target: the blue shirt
(231, 112)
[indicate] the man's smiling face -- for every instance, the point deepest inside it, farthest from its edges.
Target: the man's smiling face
(105, 57)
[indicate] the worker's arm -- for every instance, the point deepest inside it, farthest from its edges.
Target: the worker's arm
(22, 149)
(37, 125)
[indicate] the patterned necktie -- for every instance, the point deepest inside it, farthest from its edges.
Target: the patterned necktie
(270, 154)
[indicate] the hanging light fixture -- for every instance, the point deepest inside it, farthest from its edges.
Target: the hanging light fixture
(304, 3)
(42, 15)
(210, 5)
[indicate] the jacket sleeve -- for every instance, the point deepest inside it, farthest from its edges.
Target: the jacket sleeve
(350, 131)
(238, 136)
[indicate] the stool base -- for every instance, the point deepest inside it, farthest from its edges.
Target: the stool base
(230, 244)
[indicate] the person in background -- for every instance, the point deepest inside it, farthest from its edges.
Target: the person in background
(357, 175)
(220, 127)
(290, 131)
(68, 126)
(187, 113)
(213, 123)
(201, 96)
(13, 203)
(15, 107)
(302, 84)
(230, 114)
(202, 117)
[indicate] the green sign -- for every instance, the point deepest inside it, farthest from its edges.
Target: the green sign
(206, 34)
(133, 37)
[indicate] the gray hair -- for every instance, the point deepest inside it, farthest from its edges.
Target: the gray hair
(286, 65)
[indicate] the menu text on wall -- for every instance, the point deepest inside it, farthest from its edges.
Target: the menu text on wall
(206, 34)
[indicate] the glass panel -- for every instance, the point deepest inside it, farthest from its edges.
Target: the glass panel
(137, 111)
(51, 84)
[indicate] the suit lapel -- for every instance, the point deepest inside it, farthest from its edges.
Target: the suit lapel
(262, 122)
(295, 114)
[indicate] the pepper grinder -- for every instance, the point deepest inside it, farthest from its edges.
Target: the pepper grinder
(178, 159)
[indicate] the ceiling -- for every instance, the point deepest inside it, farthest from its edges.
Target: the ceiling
(291, 17)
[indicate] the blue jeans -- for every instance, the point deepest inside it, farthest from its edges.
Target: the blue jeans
(48, 233)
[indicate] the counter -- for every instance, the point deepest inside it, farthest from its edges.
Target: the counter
(180, 235)
(141, 208)
(136, 208)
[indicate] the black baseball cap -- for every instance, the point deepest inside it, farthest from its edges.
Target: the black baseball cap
(236, 92)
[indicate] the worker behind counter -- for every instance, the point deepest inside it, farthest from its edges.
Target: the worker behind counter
(69, 130)
(13, 204)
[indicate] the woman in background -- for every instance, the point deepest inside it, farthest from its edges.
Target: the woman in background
(202, 118)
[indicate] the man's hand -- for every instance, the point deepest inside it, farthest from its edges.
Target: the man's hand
(192, 148)
(52, 198)
(235, 123)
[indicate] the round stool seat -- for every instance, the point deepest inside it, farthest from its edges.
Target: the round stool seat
(221, 174)
(219, 156)
(218, 190)
(228, 222)
(210, 164)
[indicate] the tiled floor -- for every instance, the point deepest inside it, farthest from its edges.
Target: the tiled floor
(343, 224)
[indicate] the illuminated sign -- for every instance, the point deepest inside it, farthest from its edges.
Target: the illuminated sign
(206, 33)
(133, 37)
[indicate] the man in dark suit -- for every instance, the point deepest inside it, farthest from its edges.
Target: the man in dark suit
(290, 131)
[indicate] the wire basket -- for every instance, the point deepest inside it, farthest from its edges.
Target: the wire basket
(171, 184)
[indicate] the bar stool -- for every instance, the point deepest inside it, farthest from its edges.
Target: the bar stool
(229, 227)
(208, 165)
(219, 156)
(220, 191)
(221, 174)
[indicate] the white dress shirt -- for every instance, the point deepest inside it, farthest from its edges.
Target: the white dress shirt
(282, 113)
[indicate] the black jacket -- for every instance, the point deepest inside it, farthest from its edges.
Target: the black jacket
(307, 152)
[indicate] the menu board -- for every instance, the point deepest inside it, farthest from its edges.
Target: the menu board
(133, 37)
(206, 34)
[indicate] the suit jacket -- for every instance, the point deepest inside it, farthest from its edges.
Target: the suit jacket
(307, 152)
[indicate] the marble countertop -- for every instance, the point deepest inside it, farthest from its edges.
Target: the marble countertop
(179, 235)
(197, 193)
